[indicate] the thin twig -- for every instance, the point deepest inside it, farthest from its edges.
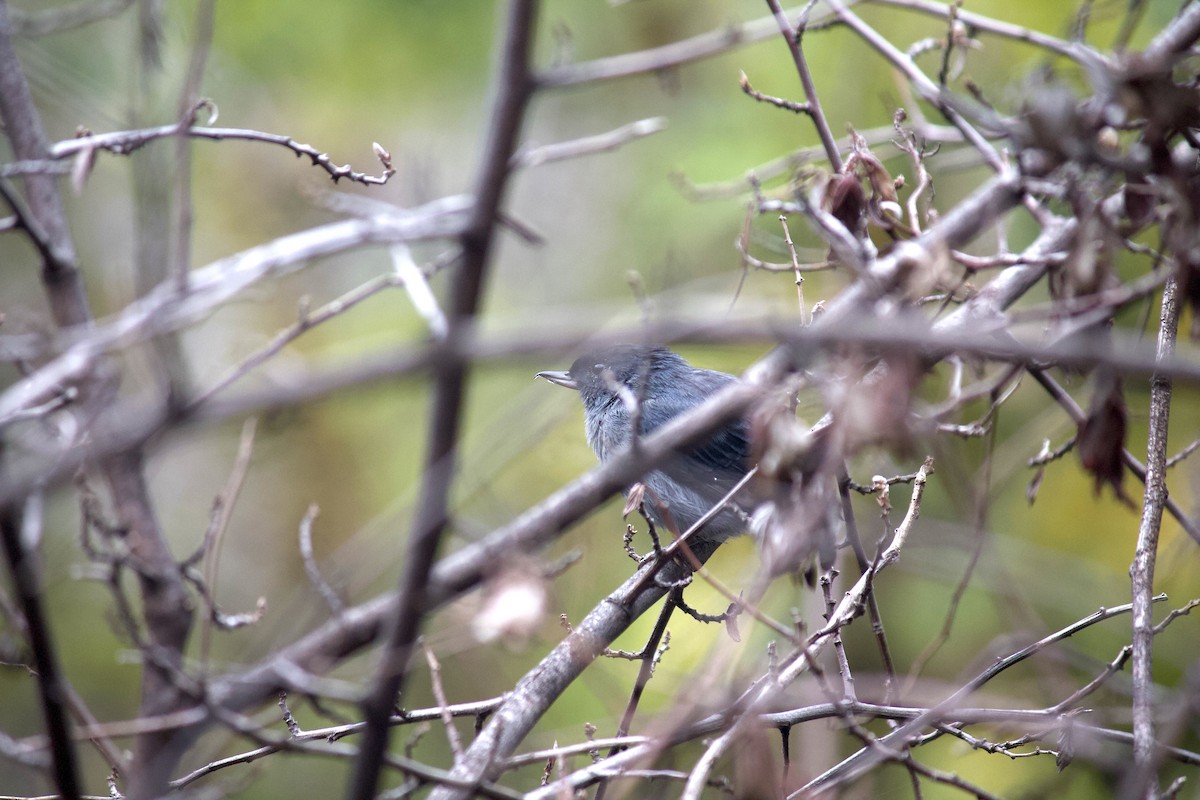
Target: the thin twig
(439, 694)
(306, 320)
(793, 37)
(1144, 781)
(804, 659)
(928, 90)
(214, 536)
(656, 59)
(528, 157)
(1183, 454)
(1128, 459)
(126, 142)
(315, 577)
(787, 105)
(649, 656)
(857, 764)
(805, 318)
(1072, 50)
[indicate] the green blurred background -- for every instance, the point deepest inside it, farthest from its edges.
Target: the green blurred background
(413, 76)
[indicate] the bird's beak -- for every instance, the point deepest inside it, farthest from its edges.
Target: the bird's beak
(561, 377)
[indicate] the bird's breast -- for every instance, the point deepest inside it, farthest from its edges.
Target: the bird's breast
(607, 432)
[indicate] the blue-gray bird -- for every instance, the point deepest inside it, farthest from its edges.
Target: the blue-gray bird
(660, 384)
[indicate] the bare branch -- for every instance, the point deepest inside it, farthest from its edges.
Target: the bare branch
(528, 156)
(928, 90)
(514, 84)
(164, 309)
(1071, 50)
(1143, 782)
(318, 581)
(787, 105)
(858, 763)
(793, 38)
(126, 142)
(18, 542)
(658, 58)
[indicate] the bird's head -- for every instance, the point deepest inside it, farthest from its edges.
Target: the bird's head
(601, 375)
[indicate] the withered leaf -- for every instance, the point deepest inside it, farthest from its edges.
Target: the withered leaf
(633, 500)
(1140, 203)
(1101, 438)
(731, 622)
(1187, 276)
(846, 201)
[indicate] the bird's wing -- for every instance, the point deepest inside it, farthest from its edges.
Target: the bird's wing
(727, 452)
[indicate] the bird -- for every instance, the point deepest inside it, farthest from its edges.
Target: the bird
(653, 384)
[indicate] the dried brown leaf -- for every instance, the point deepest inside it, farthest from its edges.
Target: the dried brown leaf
(846, 201)
(1101, 438)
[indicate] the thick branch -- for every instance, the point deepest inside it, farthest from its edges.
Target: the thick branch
(166, 610)
(23, 127)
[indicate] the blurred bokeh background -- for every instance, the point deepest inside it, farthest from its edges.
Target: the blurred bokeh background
(414, 77)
